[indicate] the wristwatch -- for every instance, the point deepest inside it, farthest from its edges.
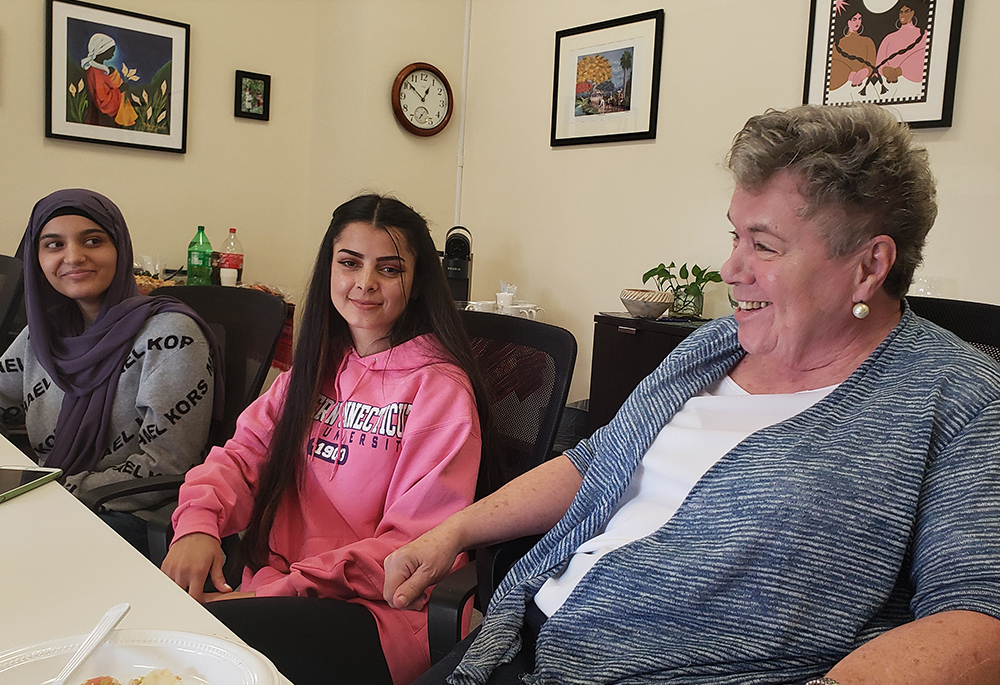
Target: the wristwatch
(823, 681)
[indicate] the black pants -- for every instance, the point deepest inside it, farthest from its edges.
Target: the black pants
(311, 641)
(507, 674)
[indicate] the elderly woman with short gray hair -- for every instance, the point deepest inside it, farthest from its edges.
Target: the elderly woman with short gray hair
(805, 491)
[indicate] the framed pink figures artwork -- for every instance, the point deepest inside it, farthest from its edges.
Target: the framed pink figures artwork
(902, 54)
(607, 80)
(115, 77)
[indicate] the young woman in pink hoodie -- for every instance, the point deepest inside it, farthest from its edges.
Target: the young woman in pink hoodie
(372, 438)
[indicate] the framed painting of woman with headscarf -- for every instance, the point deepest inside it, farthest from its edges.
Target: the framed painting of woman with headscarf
(116, 77)
(902, 54)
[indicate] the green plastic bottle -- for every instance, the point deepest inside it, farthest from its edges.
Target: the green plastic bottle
(199, 265)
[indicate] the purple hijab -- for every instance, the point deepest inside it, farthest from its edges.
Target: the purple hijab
(86, 362)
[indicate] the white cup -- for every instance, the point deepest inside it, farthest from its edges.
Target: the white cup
(227, 276)
(528, 311)
(504, 301)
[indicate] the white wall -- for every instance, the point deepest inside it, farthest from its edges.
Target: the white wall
(331, 131)
(573, 226)
(570, 226)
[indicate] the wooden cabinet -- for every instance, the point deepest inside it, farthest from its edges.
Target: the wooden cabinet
(626, 350)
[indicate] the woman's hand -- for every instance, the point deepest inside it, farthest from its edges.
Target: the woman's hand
(194, 558)
(528, 505)
(412, 568)
(858, 77)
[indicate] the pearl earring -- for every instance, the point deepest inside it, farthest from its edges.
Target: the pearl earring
(861, 310)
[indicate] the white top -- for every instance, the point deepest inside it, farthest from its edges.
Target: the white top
(706, 428)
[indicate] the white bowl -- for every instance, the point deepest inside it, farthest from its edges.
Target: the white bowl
(646, 304)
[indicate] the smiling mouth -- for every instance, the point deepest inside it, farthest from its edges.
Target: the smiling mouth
(747, 306)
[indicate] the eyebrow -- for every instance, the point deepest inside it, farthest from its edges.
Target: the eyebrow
(84, 232)
(389, 258)
(764, 229)
(758, 228)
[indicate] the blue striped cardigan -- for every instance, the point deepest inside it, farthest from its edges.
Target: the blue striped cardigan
(877, 505)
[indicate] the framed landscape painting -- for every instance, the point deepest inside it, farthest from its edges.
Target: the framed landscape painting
(116, 77)
(902, 54)
(607, 80)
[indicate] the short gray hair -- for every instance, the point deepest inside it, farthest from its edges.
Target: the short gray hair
(859, 171)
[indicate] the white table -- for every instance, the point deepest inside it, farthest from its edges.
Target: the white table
(62, 567)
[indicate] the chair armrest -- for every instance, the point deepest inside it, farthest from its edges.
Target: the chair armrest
(493, 563)
(445, 609)
(93, 499)
(478, 579)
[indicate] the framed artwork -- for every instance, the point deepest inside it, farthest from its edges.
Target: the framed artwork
(607, 80)
(899, 53)
(253, 95)
(115, 77)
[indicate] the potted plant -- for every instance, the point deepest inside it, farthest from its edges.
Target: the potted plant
(688, 286)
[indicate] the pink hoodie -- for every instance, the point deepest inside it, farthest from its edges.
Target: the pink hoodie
(393, 460)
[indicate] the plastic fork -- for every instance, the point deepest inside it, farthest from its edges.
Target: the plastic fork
(97, 636)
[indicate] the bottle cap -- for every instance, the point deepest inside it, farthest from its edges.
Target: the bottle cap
(232, 230)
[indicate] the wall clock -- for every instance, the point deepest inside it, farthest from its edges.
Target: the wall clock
(421, 99)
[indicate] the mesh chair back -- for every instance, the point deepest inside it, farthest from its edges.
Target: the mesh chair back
(974, 322)
(527, 366)
(11, 299)
(247, 324)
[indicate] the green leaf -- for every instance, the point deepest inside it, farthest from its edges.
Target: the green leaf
(684, 271)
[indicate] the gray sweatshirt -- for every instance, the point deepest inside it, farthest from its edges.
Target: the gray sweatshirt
(161, 414)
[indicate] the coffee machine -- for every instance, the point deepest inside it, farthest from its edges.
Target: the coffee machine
(457, 262)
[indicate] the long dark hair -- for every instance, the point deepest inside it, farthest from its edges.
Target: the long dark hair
(324, 339)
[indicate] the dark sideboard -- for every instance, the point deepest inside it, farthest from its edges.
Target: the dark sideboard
(626, 350)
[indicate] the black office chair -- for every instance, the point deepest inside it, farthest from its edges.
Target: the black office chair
(527, 366)
(12, 318)
(247, 324)
(12, 322)
(976, 323)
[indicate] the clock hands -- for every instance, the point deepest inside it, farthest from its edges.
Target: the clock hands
(422, 97)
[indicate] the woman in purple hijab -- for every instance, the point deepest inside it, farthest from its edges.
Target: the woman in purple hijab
(111, 385)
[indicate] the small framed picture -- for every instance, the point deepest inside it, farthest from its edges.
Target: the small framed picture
(253, 96)
(115, 77)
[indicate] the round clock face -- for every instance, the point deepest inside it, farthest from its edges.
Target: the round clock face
(422, 99)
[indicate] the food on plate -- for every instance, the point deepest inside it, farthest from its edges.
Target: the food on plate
(148, 284)
(269, 289)
(161, 676)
